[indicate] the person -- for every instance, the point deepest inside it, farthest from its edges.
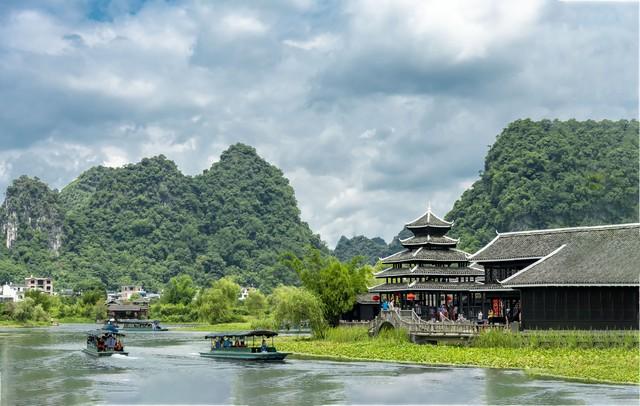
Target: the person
(454, 313)
(263, 347)
(227, 343)
(111, 342)
(480, 317)
(118, 346)
(385, 305)
(236, 343)
(444, 314)
(391, 305)
(100, 344)
(242, 343)
(490, 315)
(432, 313)
(418, 310)
(218, 343)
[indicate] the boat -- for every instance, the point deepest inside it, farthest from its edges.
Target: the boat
(135, 325)
(104, 343)
(235, 345)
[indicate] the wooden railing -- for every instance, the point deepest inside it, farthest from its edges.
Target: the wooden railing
(414, 324)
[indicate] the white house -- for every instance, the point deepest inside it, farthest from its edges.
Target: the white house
(12, 293)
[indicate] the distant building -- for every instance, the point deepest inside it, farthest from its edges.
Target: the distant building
(42, 284)
(127, 291)
(128, 311)
(12, 293)
(244, 292)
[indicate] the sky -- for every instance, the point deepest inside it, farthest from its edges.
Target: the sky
(372, 109)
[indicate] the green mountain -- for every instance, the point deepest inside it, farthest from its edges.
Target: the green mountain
(547, 174)
(370, 248)
(147, 222)
(542, 174)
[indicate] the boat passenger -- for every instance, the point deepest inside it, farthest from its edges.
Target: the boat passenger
(263, 347)
(236, 343)
(100, 344)
(242, 343)
(227, 343)
(118, 346)
(218, 343)
(111, 342)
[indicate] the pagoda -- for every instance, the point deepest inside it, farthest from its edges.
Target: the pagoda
(431, 272)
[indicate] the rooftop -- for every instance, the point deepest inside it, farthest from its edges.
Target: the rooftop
(418, 271)
(429, 219)
(427, 255)
(577, 256)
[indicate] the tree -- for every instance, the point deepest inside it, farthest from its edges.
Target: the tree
(292, 306)
(217, 304)
(335, 283)
(256, 303)
(179, 289)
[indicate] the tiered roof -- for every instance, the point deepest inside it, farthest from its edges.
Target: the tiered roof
(429, 222)
(429, 254)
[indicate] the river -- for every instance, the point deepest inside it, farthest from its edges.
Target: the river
(46, 366)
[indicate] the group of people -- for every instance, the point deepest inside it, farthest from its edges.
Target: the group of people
(226, 342)
(108, 343)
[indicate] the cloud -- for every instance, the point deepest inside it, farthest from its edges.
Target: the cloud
(371, 108)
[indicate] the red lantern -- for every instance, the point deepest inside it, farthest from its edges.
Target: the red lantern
(411, 296)
(375, 297)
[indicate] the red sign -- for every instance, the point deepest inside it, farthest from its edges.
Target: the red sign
(376, 297)
(411, 296)
(496, 306)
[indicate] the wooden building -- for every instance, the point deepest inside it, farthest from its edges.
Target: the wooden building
(431, 272)
(128, 311)
(581, 277)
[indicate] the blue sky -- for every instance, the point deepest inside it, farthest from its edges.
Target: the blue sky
(371, 108)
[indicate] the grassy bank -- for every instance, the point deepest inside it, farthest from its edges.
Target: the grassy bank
(16, 324)
(614, 364)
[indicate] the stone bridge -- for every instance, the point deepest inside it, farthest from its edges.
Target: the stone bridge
(421, 331)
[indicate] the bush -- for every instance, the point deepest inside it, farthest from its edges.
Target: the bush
(264, 324)
(347, 334)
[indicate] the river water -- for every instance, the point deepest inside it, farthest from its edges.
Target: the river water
(46, 366)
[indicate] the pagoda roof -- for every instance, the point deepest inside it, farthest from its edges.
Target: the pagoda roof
(429, 219)
(429, 240)
(427, 255)
(418, 271)
(580, 256)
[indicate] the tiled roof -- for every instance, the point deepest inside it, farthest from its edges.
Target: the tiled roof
(425, 254)
(429, 220)
(429, 240)
(608, 255)
(533, 244)
(491, 287)
(418, 271)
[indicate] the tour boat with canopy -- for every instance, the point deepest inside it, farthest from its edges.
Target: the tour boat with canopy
(242, 345)
(104, 343)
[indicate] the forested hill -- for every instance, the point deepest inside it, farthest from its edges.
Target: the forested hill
(146, 222)
(546, 174)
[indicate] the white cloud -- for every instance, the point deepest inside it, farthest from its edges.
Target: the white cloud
(371, 108)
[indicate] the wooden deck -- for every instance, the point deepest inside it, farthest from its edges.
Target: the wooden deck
(420, 330)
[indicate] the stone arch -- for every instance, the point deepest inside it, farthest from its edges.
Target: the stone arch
(386, 325)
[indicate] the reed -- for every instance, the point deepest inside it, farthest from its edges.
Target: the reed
(558, 339)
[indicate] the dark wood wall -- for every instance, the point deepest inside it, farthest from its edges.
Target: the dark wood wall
(580, 308)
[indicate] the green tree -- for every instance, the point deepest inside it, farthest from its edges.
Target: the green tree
(256, 303)
(292, 306)
(335, 283)
(179, 289)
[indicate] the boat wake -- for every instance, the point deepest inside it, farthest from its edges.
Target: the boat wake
(120, 356)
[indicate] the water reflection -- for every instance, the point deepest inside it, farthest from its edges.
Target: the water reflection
(46, 366)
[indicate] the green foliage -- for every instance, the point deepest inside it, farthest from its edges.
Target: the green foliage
(179, 290)
(335, 283)
(291, 306)
(547, 174)
(256, 303)
(176, 313)
(146, 223)
(28, 310)
(217, 304)
(264, 324)
(558, 339)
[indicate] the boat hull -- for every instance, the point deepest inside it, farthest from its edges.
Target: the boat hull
(103, 353)
(141, 330)
(246, 356)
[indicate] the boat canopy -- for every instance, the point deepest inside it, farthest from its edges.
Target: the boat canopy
(100, 333)
(249, 333)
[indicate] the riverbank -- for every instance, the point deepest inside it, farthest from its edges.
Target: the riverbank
(610, 365)
(27, 324)
(205, 328)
